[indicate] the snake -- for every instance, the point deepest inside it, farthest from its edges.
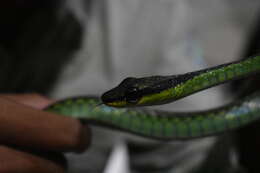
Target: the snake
(123, 107)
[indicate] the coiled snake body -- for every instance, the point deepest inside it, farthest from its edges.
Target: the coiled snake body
(153, 90)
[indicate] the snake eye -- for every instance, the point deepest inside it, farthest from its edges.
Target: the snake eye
(132, 95)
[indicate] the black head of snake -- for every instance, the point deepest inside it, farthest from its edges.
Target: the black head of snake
(137, 91)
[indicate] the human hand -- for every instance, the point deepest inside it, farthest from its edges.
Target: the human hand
(32, 140)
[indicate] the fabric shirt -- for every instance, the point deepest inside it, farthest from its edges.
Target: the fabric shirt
(81, 48)
(141, 38)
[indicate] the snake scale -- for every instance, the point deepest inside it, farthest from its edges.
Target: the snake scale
(120, 109)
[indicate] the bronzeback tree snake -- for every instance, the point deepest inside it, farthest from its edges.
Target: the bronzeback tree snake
(120, 109)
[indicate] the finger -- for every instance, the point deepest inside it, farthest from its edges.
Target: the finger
(25, 126)
(33, 100)
(15, 161)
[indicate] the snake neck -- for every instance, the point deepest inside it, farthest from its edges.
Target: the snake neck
(179, 86)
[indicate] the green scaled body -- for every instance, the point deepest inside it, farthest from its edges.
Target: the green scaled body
(217, 75)
(159, 124)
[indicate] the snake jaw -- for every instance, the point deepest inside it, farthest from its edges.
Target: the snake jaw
(116, 104)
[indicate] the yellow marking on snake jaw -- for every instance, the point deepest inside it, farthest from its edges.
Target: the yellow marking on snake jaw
(117, 104)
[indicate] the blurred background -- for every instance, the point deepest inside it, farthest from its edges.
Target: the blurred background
(85, 47)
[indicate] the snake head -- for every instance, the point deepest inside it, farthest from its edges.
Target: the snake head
(125, 94)
(131, 91)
